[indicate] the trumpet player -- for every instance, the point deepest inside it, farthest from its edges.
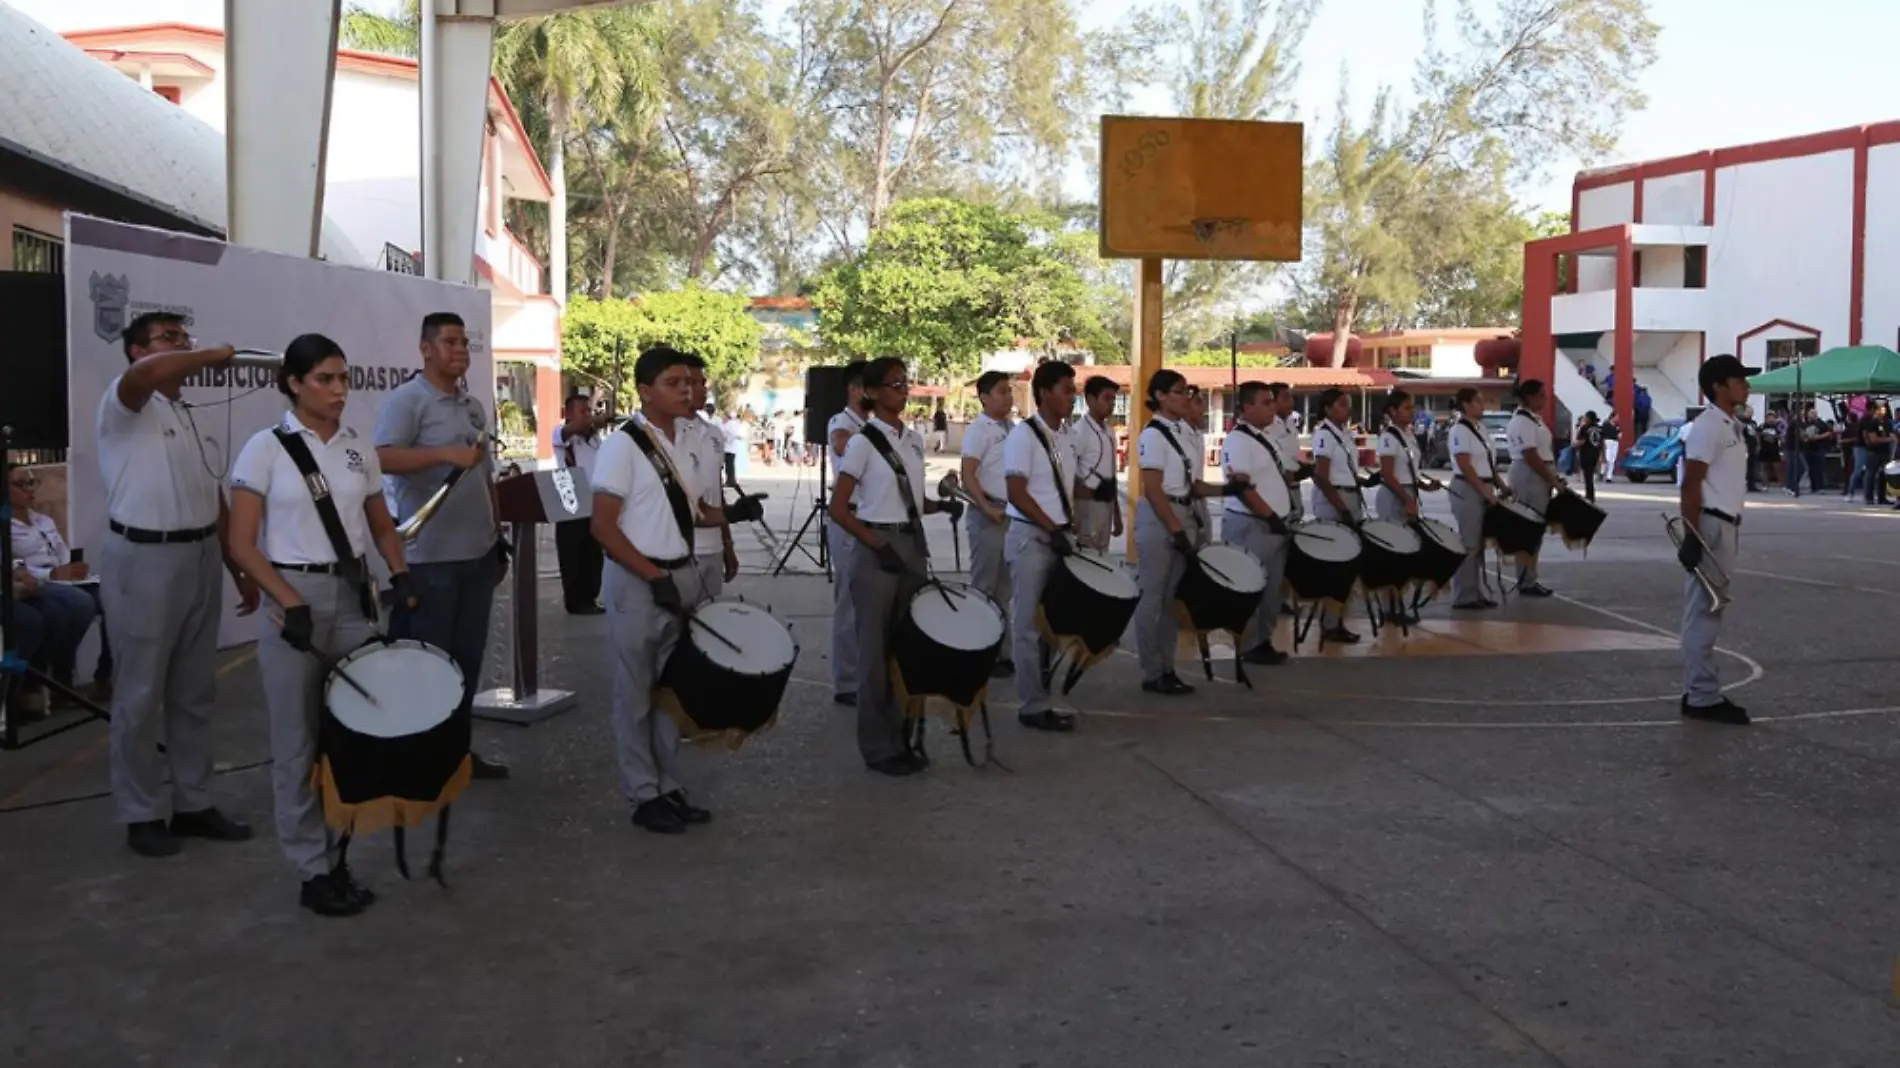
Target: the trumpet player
(1714, 484)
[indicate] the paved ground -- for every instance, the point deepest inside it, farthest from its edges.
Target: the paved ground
(1468, 852)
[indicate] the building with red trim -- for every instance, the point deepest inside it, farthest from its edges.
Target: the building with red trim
(1772, 251)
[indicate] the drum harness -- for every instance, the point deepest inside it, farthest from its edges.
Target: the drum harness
(1500, 493)
(1104, 491)
(914, 729)
(1358, 483)
(1278, 464)
(354, 570)
(682, 506)
(1048, 665)
(1194, 559)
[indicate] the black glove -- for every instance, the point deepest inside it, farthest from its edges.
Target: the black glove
(1060, 544)
(666, 595)
(299, 628)
(504, 550)
(1235, 487)
(1182, 543)
(952, 508)
(1690, 554)
(888, 558)
(746, 509)
(1105, 491)
(1278, 526)
(402, 592)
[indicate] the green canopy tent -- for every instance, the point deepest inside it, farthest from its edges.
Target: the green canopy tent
(1855, 369)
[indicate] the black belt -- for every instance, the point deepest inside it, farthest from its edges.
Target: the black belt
(899, 528)
(319, 569)
(1731, 520)
(1064, 528)
(671, 565)
(1185, 502)
(138, 536)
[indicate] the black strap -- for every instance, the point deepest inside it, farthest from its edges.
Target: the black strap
(675, 493)
(883, 446)
(1187, 467)
(1352, 451)
(1068, 512)
(348, 564)
(1272, 453)
(1411, 459)
(1490, 460)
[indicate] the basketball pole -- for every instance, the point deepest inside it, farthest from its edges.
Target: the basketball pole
(1147, 315)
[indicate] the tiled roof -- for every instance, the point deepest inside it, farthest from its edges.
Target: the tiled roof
(1300, 378)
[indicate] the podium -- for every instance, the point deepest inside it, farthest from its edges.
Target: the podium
(526, 501)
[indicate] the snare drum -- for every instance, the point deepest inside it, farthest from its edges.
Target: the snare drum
(944, 644)
(394, 757)
(1323, 563)
(1576, 519)
(728, 672)
(1441, 553)
(1514, 529)
(1086, 606)
(1390, 557)
(1220, 590)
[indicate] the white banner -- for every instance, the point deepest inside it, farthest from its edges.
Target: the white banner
(251, 299)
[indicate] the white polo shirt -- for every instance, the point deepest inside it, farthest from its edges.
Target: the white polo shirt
(37, 545)
(293, 532)
(1286, 440)
(577, 450)
(155, 474)
(1402, 447)
(1243, 453)
(738, 434)
(1024, 456)
(983, 442)
(1528, 434)
(846, 420)
(1336, 444)
(646, 517)
(1094, 451)
(1469, 441)
(1153, 453)
(1718, 442)
(705, 447)
(877, 498)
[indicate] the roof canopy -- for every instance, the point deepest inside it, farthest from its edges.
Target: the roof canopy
(1857, 369)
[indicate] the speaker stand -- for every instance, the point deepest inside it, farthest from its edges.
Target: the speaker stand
(818, 509)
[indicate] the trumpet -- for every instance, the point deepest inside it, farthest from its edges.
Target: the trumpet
(949, 487)
(412, 527)
(1709, 572)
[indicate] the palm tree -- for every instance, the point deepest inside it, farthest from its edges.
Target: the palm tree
(370, 32)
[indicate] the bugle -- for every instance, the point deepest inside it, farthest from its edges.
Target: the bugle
(1709, 571)
(411, 527)
(950, 487)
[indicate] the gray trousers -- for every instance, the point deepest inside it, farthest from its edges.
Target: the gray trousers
(1158, 570)
(455, 598)
(1467, 508)
(879, 595)
(1250, 534)
(712, 574)
(844, 609)
(1030, 558)
(293, 694)
(1203, 524)
(1298, 510)
(646, 740)
(1534, 493)
(162, 609)
(1094, 523)
(1701, 683)
(1324, 510)
(988, 571)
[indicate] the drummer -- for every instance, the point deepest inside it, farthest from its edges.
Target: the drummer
(1473, 492)
(1533, 478)
(982, 478)
(1165, 533)
(1336, 492)
(1286, 440)
(1039, 467)
(1098, 514)
(844, 621)
(1255, 520)
(1197, 453)
(1399, 477)
(1714, 486)
(310, 560)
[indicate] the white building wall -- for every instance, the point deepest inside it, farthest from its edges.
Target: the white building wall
(1781, 247)
(1676, 200)
(373, 175)
(1880, 319)
(1608, 205)
(1456, 360)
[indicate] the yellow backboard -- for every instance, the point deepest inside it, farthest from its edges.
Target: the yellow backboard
(1201, 189)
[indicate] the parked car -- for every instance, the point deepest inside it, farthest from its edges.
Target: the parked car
(1438, 449)
(1655, 453)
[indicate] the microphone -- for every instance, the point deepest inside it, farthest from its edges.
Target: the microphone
(257, 358)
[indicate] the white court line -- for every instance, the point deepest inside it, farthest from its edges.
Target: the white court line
(1862, 560)
(1817, 582)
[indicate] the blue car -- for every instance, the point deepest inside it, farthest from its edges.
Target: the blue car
(1655, 453)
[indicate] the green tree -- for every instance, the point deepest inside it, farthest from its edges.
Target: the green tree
(714, 326)
(372, 31)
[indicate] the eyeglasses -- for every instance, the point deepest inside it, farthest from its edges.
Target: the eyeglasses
(899, 384)
(28, 482)
(173, 335)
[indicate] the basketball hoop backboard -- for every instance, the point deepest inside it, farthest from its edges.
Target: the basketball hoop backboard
(1201, 189)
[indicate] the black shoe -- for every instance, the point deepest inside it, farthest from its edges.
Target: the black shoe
(1168, 685)
(1047, 720)
(209, 823)
(357, 892)
(1472, 606)
(896, 766)
(1536, 589)
(1004, 669)
(151, 839)
(587, 610)
(482, 767)
(689, 814)
(918, 758)
(1725, 712)
(658, 816)
(848, 698)
(1340, 636)
(326, 896)
(1264, 655)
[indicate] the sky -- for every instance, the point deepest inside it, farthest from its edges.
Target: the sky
(1729, 71)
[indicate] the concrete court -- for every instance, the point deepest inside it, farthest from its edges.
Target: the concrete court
(1467, 852)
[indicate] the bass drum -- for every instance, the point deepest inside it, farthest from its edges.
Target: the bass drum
(1514, 529)
(728, 672)
(396, 755)
(1891, 474)
(1085, 609)
(944, 645)
(1323, 562)
(1576, 519)
(1221, 590)
(1390, 560)
(1441, 553)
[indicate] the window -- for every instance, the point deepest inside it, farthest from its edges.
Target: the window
(1786, 351)
(1695, 267)
(37, 253)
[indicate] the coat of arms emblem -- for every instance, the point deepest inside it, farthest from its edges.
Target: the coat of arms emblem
(110, 296)
(564, 485)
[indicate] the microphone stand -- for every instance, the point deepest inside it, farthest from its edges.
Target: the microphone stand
(12, 667)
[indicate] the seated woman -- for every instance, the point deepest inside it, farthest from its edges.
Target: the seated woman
(25, 702)
(43, 563)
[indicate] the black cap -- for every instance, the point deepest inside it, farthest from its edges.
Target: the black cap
(1718, 369)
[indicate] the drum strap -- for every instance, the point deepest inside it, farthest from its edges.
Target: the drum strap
(1187, 468)
(1490, 461)
(1411, 458)
(348, 563)
(1266, 444)
(669, 480)
(1055, 469)
(1352, 455)
(882, 444)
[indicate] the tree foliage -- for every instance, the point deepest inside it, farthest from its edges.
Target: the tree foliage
(714, 326)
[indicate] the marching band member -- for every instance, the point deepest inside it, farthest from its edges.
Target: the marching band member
(324, 588)
(160, 588)
(1098, 513)
(576, 442)
(1533, 476)
(430, 426)
(982, 478)
(1255, 519)
(1163, 540)
(705, 449)
(844, 558)
(1197, 453)
(1336, 494)
(1473, 491)
(1286, 439)
(1399, 478)
(1714, 485)
(879, 501)
(1039, 466)
(644, 515)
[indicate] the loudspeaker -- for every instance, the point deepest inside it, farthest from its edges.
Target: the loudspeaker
(34, 402)
(825, 396)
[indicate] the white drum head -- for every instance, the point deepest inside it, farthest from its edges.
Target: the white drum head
(1103, 574)
(957, 616)
(1524, 511)
(1393, 537)
(416, 687)
(1443, 534)
(1328, 541)
(1233, 568)
(764, 644)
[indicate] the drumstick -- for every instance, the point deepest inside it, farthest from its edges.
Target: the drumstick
(334, 667)
(708, 628)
